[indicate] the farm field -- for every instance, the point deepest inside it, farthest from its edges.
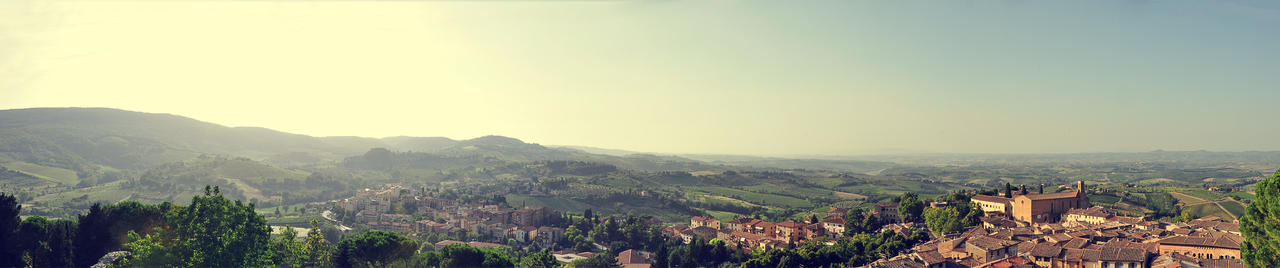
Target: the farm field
(754, 197)
(59, 175)
(1234, 207)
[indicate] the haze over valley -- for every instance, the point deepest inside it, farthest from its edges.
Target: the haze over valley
(639, 134)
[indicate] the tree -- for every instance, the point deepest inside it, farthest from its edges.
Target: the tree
(1261, 225)
(910, 207)
(105, 228)
(374, 248)
(287, 249)
(316, 248)
(602, 260)
(10, 254)
(212, 232)
(1008, 190)
(62, 236)
(542, 259)
(32, 240)
(942, 220)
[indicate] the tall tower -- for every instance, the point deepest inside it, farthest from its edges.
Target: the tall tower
(1080, 186)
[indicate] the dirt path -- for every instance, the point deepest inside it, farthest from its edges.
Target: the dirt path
(1224, 210)
(1203, 201)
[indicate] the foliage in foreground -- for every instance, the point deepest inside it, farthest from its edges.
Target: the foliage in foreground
(1261, 225)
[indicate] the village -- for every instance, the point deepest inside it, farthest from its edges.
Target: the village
(1025, 230)
(373, 208)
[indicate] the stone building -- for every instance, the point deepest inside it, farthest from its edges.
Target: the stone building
(1042, 208)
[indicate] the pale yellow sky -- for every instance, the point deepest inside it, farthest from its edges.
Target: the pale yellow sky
(674, 77)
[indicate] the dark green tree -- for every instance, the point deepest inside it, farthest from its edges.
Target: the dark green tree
(910, 208)
(542, 259)
(598, 261)
(62, 234)
(374, 248)
(1261, 225)
(10, 253)
(32, 238)
(943, 220)
(106, 227)
(212, 232)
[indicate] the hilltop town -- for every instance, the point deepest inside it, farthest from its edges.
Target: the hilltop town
(1024, 230)
(376, 210)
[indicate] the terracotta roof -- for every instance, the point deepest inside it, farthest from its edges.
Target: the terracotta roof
(631, 256)
(931, 257)
(887, 204)
(790, 224)
(1046, 251)
(988, 243)
(1076, 243)
(1123, 254)
(1050, 196)
(1091, 212)
(1072, 254)
(989, 198)
(836, 220)
(1228, 241)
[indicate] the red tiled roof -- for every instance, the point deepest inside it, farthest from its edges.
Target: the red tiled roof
(988, 243)
(1228, 241)
(1091, 212)
(1051, 196)
(1046, 251)
(931, 257)
(989, 198)
(790, 224)
(1123, 254)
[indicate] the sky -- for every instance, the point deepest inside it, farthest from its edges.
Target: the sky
(722, 77)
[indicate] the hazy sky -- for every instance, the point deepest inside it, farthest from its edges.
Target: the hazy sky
(742, 77)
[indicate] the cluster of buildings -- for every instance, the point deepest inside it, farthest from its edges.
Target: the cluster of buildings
(750, 233)
(374, 208)
(1063, 230)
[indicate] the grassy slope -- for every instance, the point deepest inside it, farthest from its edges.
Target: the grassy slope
(59, 175)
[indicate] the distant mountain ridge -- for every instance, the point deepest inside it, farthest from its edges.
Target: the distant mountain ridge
(84, 138)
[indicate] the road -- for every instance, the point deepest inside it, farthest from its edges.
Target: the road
(328, 216)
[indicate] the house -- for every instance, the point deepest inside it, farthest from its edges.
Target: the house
(1122, 257)
(812, 231)
(834, 225)
(990, 203)
(1093, 215)
(698, 221)
(546, 236)
(887, 211)
(633, 259)
(790, 231)
(1043, 254)
(985, 249)
(1215, 246)
(523, 233)
(738, 224)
